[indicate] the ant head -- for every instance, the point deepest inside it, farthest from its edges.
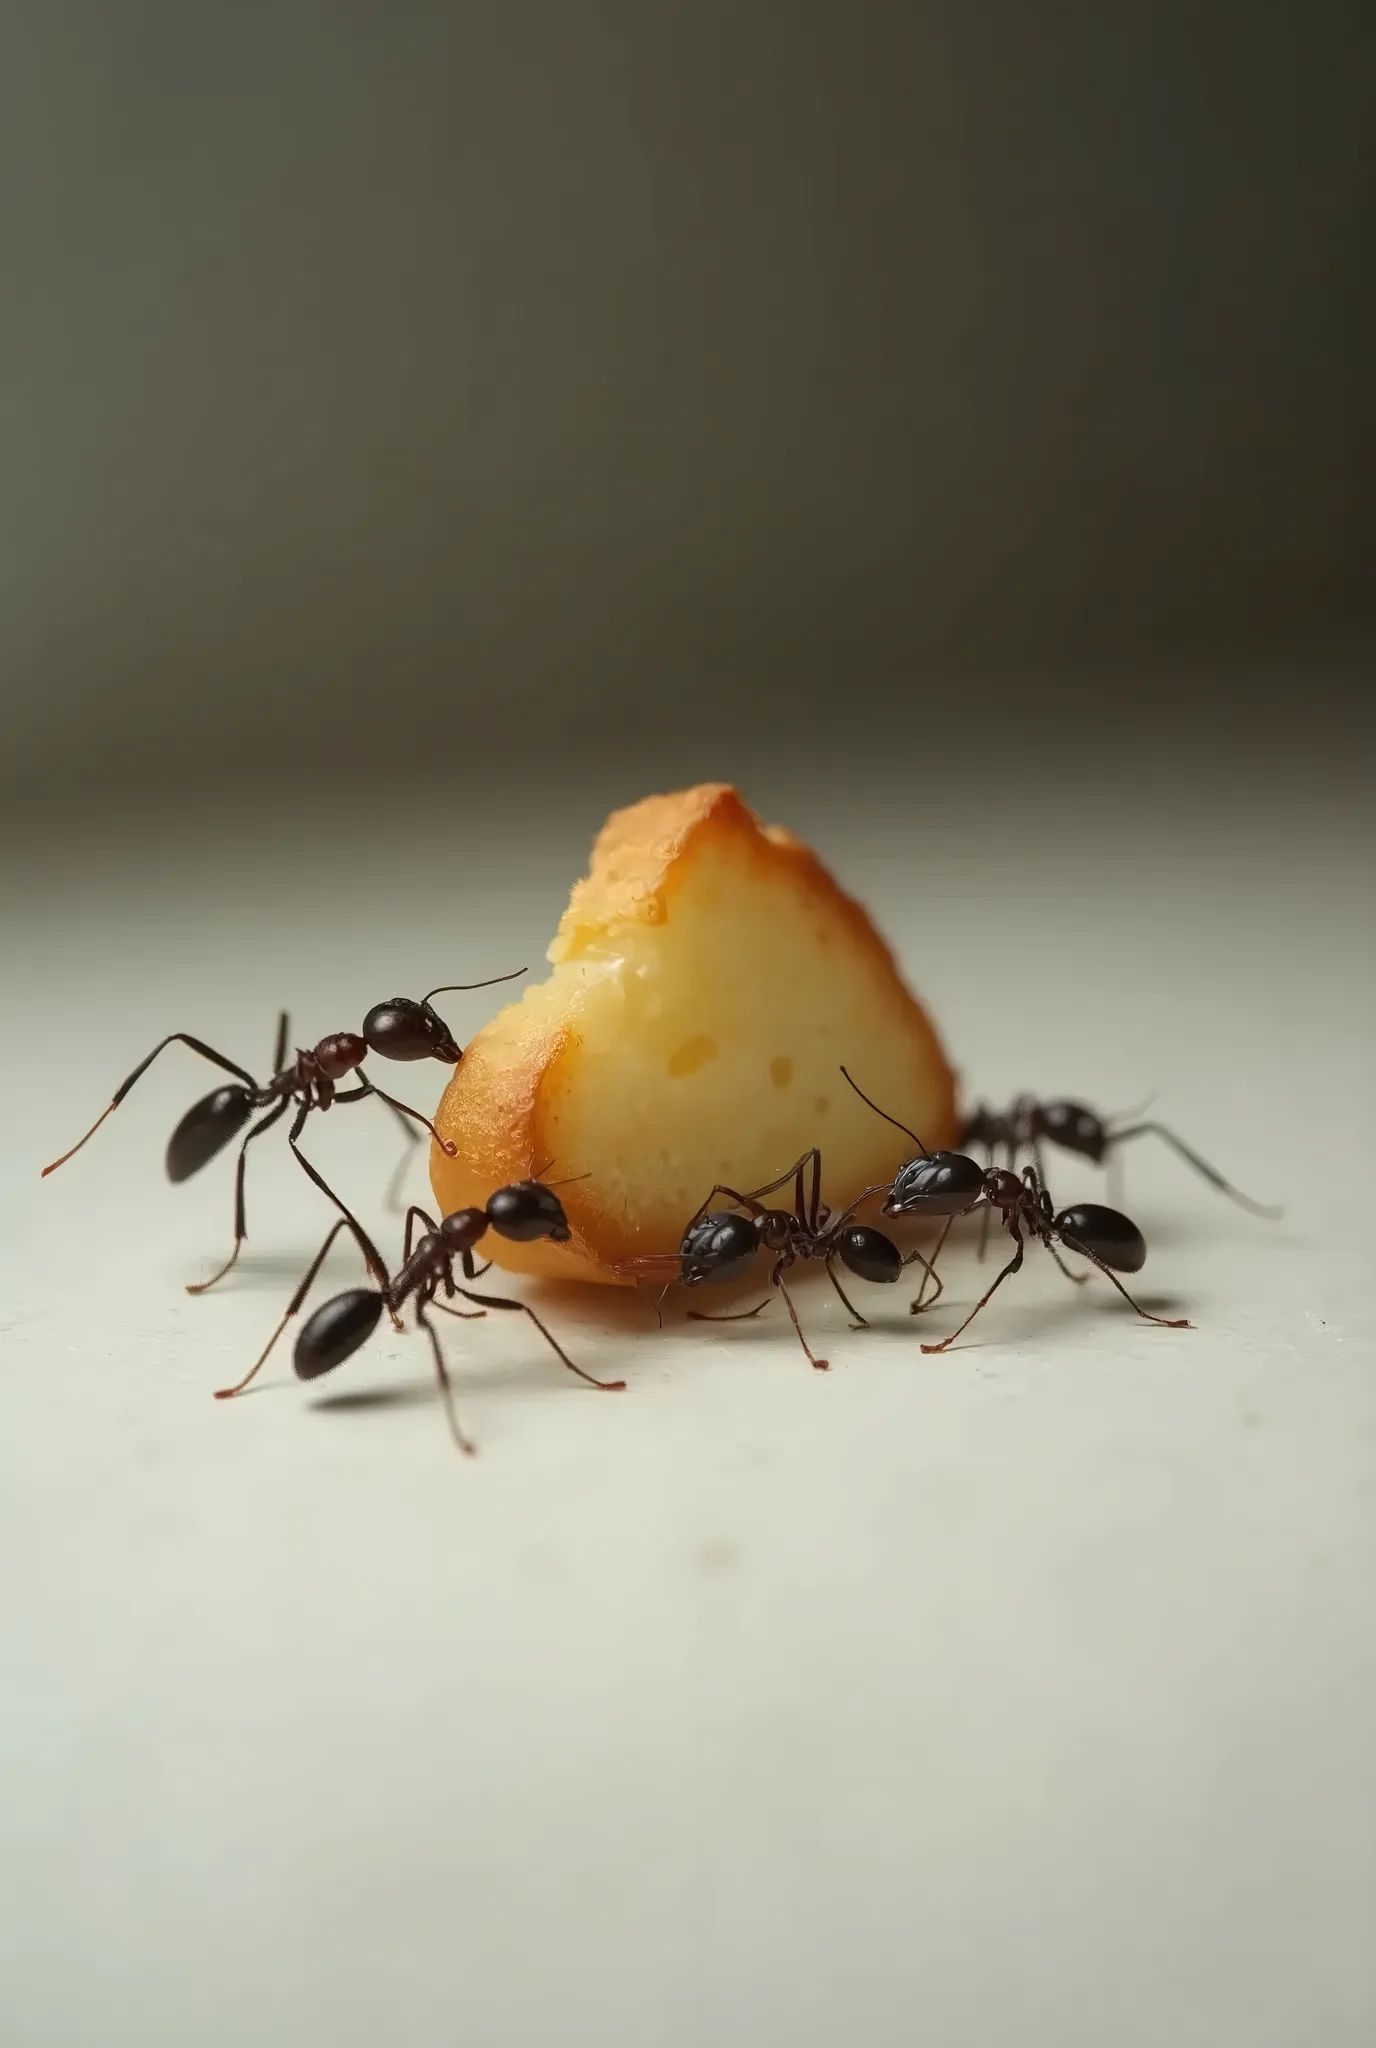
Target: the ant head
(1075, 1128)
(339, 1054)
(939, 1184)
(718, 1248)
(401, 1029)
(528, 1210)
(460, 1231)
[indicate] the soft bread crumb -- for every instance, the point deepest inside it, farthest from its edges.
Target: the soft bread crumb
(709, 980)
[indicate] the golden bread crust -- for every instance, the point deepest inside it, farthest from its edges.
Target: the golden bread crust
(526, 1094)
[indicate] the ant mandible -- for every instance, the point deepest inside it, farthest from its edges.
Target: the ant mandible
(720, 1246)
(524, 1211)
(950, 1184)
(399, 1029)
(1028, 1122)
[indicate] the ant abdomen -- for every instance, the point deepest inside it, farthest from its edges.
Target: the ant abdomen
(1113, 1238)
(206, 1129)
(335, 1332)
(1075, 1128)
(869, 1253)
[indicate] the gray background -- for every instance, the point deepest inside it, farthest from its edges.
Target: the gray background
(422, 429)
(664, 370)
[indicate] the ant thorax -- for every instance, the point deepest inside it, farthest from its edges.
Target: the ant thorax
(1004, 1190)
(779, 1230)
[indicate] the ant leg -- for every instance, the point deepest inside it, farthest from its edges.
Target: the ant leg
(727, 1315)
(821, 1364)
(814, 1205)
(915, 1308)
(465, 1315)
(1078, 1278)
(391, 1194)
(524, 1308)
(858, 1322)
(445, 1384)
(372, 1256)
(411, 1214)
(878, 1187)
(1012, 1267)
(207, 1052)
(1201, 1166)
(293, 1307)
(279, 1055)
(752, 1201)
(812, 1155)
(1166, 1322)
(404, 1109)
(741, 1201)
(274, 1115)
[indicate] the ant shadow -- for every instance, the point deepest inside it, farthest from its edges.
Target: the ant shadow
(417, 1393)
(282, 1268)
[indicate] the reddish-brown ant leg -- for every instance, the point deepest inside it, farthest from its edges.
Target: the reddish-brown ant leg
(293, 1307)
(918, 1307)
(445, 1384)
(1166, 1322)
(752, 1200)
(1192, 1158)
(524, 1308)
(777, 1280)
(1078, 1278)
(207, 1052)
(407, 1240)
(405, 1109)
(858, 1322)
(371, 1255)
(1012, 1267)
(274, 1115)
(465, 1315)
(391, 1194)
(728, 1315)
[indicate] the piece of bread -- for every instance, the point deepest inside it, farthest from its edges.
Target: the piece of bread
(709, 980)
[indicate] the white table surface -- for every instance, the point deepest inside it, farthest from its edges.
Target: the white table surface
(1020, 1696)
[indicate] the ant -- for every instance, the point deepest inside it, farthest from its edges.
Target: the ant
(399, 1029)
(720, 1246)
(950, 1184)
(524, 1211)
(1028, 1122)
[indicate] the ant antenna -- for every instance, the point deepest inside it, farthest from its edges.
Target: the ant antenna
(887, 1118)
(567, 1181)
(451, 987)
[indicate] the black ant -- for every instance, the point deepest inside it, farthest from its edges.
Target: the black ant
(399, 1029)
(950, 1184)
(525, 1211)
(720, 1246)
(1028, 1122)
